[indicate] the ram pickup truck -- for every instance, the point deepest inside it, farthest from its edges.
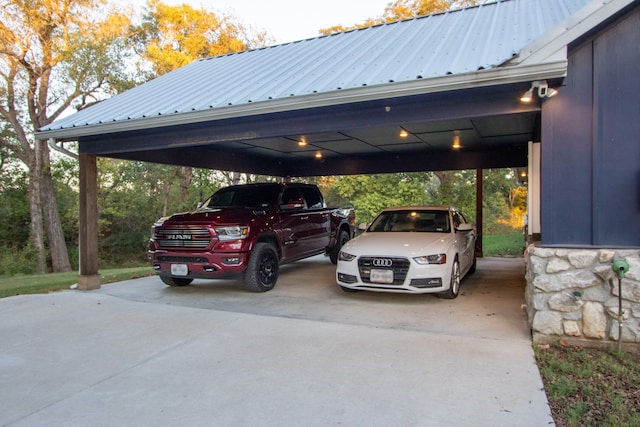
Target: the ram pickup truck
(247, 232)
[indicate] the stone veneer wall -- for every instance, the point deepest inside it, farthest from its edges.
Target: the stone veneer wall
(573, 294)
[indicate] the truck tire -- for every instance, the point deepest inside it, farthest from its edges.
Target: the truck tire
(343, 237)
(262, 272)
(175, 281)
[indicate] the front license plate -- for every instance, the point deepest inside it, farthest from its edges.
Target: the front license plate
(381, 276)
(179, 269)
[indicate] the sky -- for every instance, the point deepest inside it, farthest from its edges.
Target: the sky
(291, 20)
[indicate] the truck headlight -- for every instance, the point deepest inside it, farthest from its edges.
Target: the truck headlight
(231, 232)
(431, 259)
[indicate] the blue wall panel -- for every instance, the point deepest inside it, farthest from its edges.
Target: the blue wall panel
(567, 157)
(591, 143)
(617, 134)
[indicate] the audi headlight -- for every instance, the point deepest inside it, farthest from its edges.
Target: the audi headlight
(345, 256)
(232, 232)
(431, 259)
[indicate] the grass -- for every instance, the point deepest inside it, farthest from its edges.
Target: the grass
(23, 284)
(590, 387)
(503, 245)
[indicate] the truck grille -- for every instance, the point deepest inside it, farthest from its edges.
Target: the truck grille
(400, 267)
(183, 237)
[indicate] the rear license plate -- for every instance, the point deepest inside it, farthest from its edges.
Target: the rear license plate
(381, 276)
(179, 269)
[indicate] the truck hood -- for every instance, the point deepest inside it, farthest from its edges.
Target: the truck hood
(231, 216)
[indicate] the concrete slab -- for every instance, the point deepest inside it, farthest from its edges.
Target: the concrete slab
(304, 354)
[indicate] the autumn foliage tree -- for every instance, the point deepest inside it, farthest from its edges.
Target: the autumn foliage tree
(169, 37)
(48, 64)
(405, 9)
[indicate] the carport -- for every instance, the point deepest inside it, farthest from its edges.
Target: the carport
(440, 92)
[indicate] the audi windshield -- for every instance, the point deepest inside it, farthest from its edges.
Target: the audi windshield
(428, 221)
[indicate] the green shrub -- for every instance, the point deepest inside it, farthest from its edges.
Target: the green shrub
(17, 261)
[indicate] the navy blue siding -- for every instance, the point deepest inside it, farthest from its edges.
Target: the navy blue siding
(591, 143)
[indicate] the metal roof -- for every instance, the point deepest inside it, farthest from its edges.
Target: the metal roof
(438, 52)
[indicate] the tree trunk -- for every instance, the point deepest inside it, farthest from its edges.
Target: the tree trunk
(48, 206)
(187, 177)
(57, 243)
(37, 227)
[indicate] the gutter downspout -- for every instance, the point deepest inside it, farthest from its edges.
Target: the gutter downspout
(59, 148)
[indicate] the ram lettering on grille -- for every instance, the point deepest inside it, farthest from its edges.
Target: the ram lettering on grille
(192, 238)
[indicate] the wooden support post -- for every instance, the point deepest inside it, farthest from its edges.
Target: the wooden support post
(479, 198)
(88, 278)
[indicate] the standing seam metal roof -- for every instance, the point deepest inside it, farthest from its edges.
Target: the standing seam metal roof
(451, 43)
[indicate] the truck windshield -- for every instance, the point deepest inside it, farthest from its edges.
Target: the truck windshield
(260, 196)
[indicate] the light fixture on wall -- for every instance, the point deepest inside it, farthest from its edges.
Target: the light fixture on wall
(527, 96)
(544, 91)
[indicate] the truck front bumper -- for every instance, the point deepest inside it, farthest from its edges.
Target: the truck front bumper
(200, 265)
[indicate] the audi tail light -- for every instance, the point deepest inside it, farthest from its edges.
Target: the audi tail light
(431, 259)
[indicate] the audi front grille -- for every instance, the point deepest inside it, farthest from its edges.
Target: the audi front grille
(400, 267)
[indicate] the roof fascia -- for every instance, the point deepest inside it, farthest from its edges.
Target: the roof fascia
(555, 41)
(483, 78)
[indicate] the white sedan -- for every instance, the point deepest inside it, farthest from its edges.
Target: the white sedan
(414, 249)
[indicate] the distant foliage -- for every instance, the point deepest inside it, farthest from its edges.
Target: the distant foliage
(404, 9)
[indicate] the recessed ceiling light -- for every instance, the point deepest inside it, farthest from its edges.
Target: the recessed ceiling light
(318, 155)
(404, 133)
(456, 141)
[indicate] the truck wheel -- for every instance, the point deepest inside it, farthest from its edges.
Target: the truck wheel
(175, 281)
(343, 237)
(262, 272)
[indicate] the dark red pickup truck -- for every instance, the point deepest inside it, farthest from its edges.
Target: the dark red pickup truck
(247, 231)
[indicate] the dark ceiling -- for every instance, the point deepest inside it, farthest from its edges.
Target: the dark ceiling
(492, 125)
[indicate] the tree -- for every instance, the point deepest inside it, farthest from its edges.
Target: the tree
(169, 37)
(47, 63)
(404, 9)
(369, 194)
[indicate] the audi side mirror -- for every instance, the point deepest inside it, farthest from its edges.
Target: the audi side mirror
(465, 227)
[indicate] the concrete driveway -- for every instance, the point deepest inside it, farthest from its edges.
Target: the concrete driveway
(139, 353)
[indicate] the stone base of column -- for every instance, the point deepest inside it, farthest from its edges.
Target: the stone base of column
(89, 282)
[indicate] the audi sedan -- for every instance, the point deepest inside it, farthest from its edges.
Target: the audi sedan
(415, 249)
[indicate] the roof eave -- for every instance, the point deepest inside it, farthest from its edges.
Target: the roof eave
(482, 78)
(578, 24)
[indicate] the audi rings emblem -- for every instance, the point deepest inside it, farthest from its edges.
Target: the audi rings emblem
(382, 262)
